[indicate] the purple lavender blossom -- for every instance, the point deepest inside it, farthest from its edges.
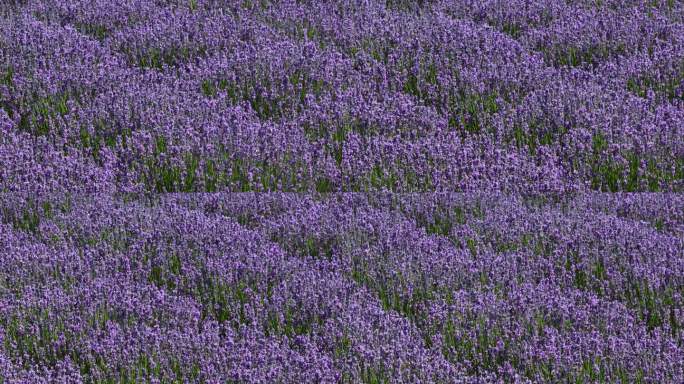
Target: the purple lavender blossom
(348, 191)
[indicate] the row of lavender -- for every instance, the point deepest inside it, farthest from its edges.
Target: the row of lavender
(342, 288)
(221, 95)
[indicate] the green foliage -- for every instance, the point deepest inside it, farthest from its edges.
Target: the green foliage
(146, 367)
(211, 177)
(42, 112)
(632, 184)
(431, 74)
(610, 175)
(208, 88)
(472, 246)
(388, 288)
(379, 180)
(27, 217)
(266, 105)
(536, 135)
(167, 275)
(591, 371)
(98, 31)
(7, 77)
(440, 226)
(391, 177)
(32, 337)
(411, 86)
(459, 215)
(476, 346)
(606, 174)
(324, 185)
(338, 139)
(375, 374)
(650, 304)
(658, 225)
(247, 5)
(573, 56)
(653, 306)
(293, 323)
(343, 347)
(103, 135)
(466, 110)
(225, 302)
(406, 5)
(316, 248)
(158, 58)
(512, 29)
(165, 175)
(378, 49)
(669, 87)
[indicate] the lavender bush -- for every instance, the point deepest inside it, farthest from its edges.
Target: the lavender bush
(342, 288)
(343, 96)
(457, 191)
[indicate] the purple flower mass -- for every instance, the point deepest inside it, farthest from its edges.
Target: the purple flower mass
(347, 191)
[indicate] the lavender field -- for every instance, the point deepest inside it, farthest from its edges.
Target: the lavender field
(342, 96)
(343, 288)
(347, 191)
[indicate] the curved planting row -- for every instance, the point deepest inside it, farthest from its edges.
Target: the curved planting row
(206, 95)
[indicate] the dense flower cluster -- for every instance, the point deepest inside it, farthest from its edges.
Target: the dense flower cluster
(342, 288)
(347, 95)
(435, 171)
